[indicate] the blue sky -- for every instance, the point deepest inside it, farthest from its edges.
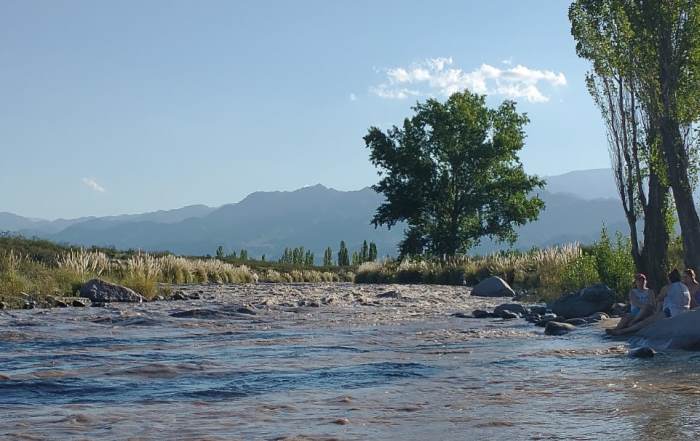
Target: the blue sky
(123, 107)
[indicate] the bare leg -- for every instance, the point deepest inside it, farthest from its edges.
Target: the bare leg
(637, 326)
(645, 312)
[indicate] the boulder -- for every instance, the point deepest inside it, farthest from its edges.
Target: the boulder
(679, 332)
(557, 328)
(98, 290)
(512, 307)
(619, 309)
(79, 303)
(576, 321)
(493, 287)
(480, 313)
(588, 301)
(3, 305)
(462, 315)
(643, 352)
(540, 310)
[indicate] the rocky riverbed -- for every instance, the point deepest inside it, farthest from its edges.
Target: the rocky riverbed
(329, 361)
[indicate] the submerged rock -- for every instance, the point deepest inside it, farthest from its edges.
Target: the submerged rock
(389, 295)
(480, 313)
(98, 290)
(246, 310)
(540, 310)
(557, 328)
(493, 287)
(79, 303)
(576, 321)
(643, 352)
(588, 301)
(462, 315)
(549, 317)
(512, 307)
(507, 315)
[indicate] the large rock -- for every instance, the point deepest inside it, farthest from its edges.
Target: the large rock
(679, 332)
(99, 291)
(588, 301)
(493, 287)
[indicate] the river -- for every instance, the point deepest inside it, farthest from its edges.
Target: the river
(357, 367)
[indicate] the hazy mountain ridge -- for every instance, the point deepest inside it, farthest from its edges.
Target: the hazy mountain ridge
(316, 217)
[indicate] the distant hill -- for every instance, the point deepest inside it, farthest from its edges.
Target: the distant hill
(316, 217)
(586, 184)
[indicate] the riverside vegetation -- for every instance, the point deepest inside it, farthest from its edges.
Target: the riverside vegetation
(39, 270)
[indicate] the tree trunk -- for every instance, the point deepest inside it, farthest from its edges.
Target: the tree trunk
(676, 158)
(655, 252)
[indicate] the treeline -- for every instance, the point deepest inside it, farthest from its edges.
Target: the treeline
(301, 256)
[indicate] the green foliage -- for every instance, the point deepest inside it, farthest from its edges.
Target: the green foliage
(343, 258)
(220, 252)
(452, 172)
(614, 262)
(581, 272)
(372, 252)
(328, 257)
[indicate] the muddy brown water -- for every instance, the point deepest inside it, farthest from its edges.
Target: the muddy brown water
(356, 367)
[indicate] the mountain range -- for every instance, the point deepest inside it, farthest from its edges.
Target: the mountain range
(577, 205)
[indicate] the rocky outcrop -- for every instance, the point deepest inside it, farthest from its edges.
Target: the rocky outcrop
(588, 301)
(679, 332)
(493, 287)
(100, 291)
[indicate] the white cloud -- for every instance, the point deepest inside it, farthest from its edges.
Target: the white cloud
(353, 97)
(92, 183)
(436, 75)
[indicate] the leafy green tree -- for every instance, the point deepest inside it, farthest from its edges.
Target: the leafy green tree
(452, 172)
(220, 252)
(328, 257)
(343, 258)
(262, 259)
(655, 45)
(364, 254)
(356, 258)
(243, 255)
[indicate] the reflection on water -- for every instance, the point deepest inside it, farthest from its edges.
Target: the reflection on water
(346, 372)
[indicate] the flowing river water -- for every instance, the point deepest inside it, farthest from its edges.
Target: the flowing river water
(329, 362)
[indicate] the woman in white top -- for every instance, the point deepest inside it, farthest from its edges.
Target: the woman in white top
(673, 299)
(677, 298)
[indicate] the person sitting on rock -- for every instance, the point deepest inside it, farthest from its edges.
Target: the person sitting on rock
(641, 300)
(693, 287)
(677, 298)
(673, 299)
